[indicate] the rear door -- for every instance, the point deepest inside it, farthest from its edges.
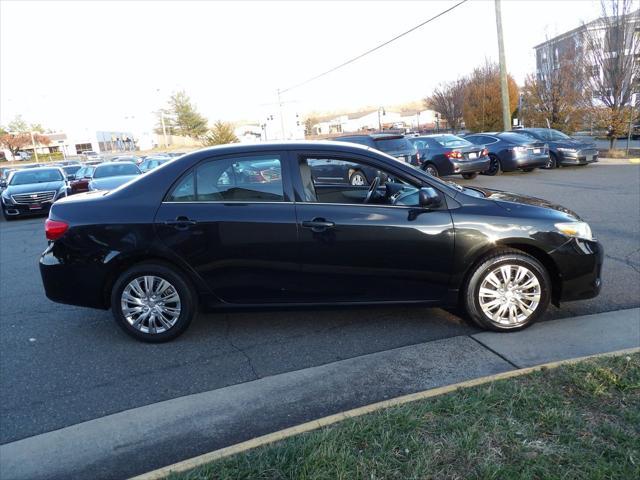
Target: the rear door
(232, 220)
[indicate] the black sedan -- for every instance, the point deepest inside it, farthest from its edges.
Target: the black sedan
(563, 150)
(509, 151)
(32, 191)
(247, 226)
(445, 154)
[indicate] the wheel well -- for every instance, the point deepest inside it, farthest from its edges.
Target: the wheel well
(129, 262)
(535, 252)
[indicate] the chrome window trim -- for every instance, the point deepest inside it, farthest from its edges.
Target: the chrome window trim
(294, 203)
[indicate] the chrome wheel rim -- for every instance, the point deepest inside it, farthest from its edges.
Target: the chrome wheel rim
(357, 179)
(150, 304)
(509, 295)
(431, 171)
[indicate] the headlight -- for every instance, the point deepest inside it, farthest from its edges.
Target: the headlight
(6, 198)
(567, 150)
(575, 229)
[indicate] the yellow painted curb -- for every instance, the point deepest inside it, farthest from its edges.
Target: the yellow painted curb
(634, 160)
(356, 412)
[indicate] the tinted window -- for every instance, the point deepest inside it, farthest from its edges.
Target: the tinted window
(116, 170)
(36, 176)
(529, 135)
(244, 179)
(392, 144)
(452, 141)
(515, 137)
(71, 170)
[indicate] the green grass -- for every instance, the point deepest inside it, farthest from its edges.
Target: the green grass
(578, 421)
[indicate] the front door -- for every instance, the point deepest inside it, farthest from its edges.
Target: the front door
(233, 222)
(383, 249)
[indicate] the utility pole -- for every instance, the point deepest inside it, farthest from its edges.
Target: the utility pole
(33, 143)
(164, 129)
(633, 103)
(506, 117)
(281, 116)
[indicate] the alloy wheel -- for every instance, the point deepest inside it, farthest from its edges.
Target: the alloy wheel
(150, 304)
(431, 170)
(358, 179)
(509, 295)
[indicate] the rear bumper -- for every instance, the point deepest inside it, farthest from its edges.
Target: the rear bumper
(579, 265)
(72, 283)
(469, 166)
(532, 161)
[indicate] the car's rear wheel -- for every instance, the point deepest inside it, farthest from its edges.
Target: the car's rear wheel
(358, 179)
(432, 170)
(469, 176)
(494, 166)
(507, 291)
(152, 302)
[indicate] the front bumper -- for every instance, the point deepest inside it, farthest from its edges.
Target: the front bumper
(579, 265)
(581, 157)
(470, 166)
(22, 210)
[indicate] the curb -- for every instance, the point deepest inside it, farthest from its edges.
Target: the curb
(200, 460)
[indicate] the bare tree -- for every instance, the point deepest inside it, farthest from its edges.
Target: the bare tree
(557, 96)
(448, 100)
(611, 49)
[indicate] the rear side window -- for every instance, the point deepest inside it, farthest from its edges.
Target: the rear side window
(243, 179)
(393, 144)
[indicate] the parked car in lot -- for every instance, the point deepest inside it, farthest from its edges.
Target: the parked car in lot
(80, 182)
(108, 176)
(396, 145)
(199, 232)
(446, 154)
(90, 155)
(563, 150)
(127, 158)
(509, 151)
(150, 163)
(71, 170)
(32, 191)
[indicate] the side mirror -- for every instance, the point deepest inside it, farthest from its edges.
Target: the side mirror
(428, 197)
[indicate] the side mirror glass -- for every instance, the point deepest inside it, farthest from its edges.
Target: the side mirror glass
(428, 197)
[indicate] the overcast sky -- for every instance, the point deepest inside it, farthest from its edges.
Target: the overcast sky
(98, 64)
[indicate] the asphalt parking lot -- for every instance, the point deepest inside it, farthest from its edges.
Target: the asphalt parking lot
(61, 365)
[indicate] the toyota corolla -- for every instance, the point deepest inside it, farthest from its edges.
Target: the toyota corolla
(250, 226)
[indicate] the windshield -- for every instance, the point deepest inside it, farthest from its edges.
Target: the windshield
(116, 170)
(36, 176)
(452, 141)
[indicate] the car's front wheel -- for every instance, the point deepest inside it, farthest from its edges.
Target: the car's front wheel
(507, 291)
(152, 302)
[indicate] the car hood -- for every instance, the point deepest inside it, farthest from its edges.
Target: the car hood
(572, 143)
(512, 201)
(109, 183)
(34, 187)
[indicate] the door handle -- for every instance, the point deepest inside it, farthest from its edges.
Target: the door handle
(180, 223)
(318, 224)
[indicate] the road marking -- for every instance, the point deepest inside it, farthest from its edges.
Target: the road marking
(356, 412)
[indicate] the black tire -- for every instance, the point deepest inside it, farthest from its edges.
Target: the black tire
(552, 163)
(187, 296)
(431, 169)
(355, 177)
(503, 257)
(495, 168)
(469, 176)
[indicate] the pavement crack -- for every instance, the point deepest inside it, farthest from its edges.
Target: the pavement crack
(240, 350)
(517, 367)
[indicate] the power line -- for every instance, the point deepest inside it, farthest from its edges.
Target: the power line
(344, 64)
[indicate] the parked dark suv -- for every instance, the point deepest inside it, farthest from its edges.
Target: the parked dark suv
(394, 144)
(446, 154)
(509, 151)
(563, 150)
(247, 225)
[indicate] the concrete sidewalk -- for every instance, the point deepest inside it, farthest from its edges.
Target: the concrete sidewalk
(145, 438)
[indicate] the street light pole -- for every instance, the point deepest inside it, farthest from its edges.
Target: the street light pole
(33, 143)
(506, 117)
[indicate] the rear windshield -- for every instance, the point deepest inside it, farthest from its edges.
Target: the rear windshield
(393, 144)
(116, 170)
(452, 141)
(71, 169)
(515, 138)
(36, 176)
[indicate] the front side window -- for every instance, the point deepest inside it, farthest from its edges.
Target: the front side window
(241, 179)
(336, 180)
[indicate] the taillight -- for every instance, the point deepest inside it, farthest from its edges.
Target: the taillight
(54, 229)
(454, 154)
(484, 152)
